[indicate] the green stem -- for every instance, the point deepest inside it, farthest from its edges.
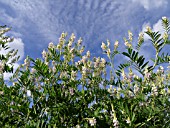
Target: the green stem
(156, 59)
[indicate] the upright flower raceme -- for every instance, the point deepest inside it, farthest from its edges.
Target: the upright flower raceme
(103, 46)
(108, 52)
(130, 36)
(79, 41)
(116, 45)
(141, 37)
(44, 54)
(148, 28)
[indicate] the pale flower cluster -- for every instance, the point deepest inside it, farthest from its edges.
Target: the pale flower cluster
(92, 121)
(141, 37)
(61, 41)
(116, 44)
(130, 36)
(51, 45)
(164, 18)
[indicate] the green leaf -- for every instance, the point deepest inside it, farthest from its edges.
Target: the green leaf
(126, 54)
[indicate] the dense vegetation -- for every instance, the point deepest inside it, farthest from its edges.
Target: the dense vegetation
(67, 88)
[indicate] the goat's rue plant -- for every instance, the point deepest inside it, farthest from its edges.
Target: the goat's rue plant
(69, 88)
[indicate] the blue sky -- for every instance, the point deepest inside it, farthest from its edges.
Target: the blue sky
(35, 23)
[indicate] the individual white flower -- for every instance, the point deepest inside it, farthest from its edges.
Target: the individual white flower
(77, 63)
(47, 63)
(103, 46)
(12, 103)
(51, 45)
(161, 69)
(84, 59)
(130, 94)
(73, 75)
(126, 43)
(79, 41)
(72, 37)
(58, 46)
(154, 90)
(33, 70)
(116, 45)
(96, 64)
(26, 62)
(124, 75)
(136, 88)
(53, 62)
(54, 69)
(88, 54)
(28, 93)
(108, 43)
(70, 44)
(141, 104)
(78, 126)
(148, 28)
(84, 69)
(71, 90)
(128, 120)
(115, 122)
(97, 60)
(72, 50)
(92, 121)
(164, 18)
(110, 89)
(103, 60)
(44, 54)
(81, 50)
(63, 35)
(108, 52)
(141, 37)
(1, 92)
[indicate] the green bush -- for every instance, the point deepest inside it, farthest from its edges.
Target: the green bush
(66, 88)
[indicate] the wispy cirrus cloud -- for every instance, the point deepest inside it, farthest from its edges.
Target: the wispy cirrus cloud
(151, 4)
(41, 22)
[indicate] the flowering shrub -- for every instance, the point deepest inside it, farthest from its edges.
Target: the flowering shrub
(7, 59)
(66, 88)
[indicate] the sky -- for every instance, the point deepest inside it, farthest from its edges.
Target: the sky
(35, 23)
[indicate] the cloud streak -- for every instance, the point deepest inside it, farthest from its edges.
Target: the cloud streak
(151, 4)
(41, 22)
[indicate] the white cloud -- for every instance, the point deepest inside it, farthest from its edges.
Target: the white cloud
(149, 4)
(18, 44)
(156, 27)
